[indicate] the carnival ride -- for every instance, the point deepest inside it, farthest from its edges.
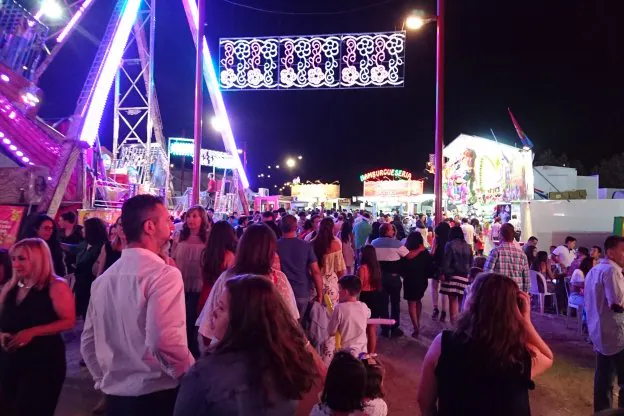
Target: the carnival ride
(125, 58)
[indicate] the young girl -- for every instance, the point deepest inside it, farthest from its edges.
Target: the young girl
(345, 387)
(369, 273)
(374, 404)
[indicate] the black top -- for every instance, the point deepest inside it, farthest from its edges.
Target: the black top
(111, 255)
(74, 238)
(418, 269)
(36, 309)
(457, 258)
(465, 387)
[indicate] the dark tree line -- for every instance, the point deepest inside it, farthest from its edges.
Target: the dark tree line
(610, 169)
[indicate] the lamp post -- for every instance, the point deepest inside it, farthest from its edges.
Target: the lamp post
(439, 123)
(199, 103)
(415, 22)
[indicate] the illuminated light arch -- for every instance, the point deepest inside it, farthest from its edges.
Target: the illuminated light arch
(357, 60)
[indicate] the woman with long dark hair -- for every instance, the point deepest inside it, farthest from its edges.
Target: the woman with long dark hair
(217, 257)
(111, 251)
(187, 253)
(43, 227)
(372, 294)
(328, 252)
(254, 255)
(348, 248)
(439, 243)
(375, 232)
(495, 348)
(457, 263)
(96, 236)
(261, 364)
(577, 282)
(416, 273)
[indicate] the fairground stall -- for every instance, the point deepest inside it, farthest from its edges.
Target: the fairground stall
(483, 178)
(392, 190)
(312, 195)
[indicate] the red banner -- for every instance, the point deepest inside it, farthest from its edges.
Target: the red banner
(10, 220)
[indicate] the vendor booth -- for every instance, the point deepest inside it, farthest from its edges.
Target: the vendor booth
(482, 177)
(391, 190)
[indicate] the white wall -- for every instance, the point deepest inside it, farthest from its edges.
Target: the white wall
(554, 179)
(589, 184)
(589, 220)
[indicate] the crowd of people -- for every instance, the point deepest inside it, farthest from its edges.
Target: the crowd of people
(258, 314)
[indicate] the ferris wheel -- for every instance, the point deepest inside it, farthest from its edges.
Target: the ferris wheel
(124, 61)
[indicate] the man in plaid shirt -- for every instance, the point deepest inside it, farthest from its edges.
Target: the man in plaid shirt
(509, 260)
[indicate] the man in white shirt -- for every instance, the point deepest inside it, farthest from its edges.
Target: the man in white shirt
(469, 233)
(604, 305)
(134, 340)
(565, 254)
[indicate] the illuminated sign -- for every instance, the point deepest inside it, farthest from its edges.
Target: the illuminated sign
(393, 189)
(357, 60)
(385, 173)
(185, 147)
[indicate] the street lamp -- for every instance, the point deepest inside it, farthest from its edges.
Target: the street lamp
(216, 123)
(276, 166)
(299, 157)
(51, 9)
(415, 22)
(290, 162)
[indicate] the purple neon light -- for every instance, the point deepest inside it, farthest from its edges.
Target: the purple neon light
(13, 147)
(216, 97)
(25, 159)
(5, 78)
(19, 153)
(6, 141)
(107, 72)
(72, 22)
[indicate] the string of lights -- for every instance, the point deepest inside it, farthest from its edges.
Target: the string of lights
(318, 13)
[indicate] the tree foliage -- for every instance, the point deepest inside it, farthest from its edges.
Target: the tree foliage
(549, 158)
(611, 171)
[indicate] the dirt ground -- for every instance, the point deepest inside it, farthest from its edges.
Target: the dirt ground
(564, 390)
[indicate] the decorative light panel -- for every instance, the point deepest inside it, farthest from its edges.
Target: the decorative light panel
(360, 60)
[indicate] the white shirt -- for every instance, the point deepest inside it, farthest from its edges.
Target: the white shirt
(283, 287)
(350, 319)
(566, 256)
(604, 286)
(469, 233)
(577, 277)
(134, 338)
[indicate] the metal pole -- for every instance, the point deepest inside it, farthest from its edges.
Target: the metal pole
(439, 122)
(199, 102)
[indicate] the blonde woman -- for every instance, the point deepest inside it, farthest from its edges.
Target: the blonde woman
(35, 307)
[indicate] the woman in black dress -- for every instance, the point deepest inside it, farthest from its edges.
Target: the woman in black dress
(36, 306)
(43, 227)
(88, 252)
(495, 349)
(111, 251)
(416, 273)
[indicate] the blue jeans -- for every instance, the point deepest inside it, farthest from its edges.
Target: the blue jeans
(607, 368)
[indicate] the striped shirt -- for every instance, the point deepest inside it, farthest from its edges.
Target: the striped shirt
(509, 260)
(389, 252)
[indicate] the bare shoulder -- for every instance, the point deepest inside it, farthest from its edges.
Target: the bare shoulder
(59, 286)
(335, 246)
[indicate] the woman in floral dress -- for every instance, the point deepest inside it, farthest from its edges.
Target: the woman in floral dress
(328, 251)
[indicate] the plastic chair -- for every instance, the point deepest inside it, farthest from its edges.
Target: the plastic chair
(541, 292)
(578, 308)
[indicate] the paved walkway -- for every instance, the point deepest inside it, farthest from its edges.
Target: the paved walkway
(564, 390)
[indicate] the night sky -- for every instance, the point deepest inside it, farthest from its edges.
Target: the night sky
(555, 63)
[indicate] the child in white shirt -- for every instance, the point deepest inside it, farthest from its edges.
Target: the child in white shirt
(350, 316)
